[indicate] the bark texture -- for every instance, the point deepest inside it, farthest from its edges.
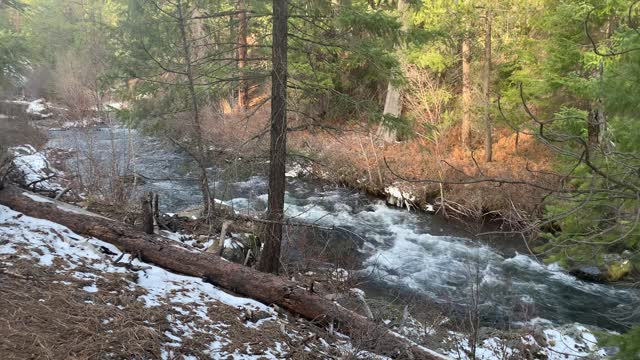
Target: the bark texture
(393, 107)
(270, 256)
(596, 119)
(243, 29)
(266, 288)
(393, 100)
(147, 213)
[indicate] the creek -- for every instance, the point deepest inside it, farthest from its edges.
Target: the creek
(398, 250)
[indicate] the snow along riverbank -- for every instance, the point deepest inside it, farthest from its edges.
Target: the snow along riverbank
(194, 319)
(191, 312)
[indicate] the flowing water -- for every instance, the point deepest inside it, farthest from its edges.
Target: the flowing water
(399, 249)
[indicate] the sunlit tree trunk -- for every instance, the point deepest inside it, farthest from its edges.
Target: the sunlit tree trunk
(243, 86)
(393, 100)
(465, 131)
(596, 119)
(486, 82)
(270, 257)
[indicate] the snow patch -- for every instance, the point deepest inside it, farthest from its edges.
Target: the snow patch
(91, 288)
(33, 167)
(37, 198)
(296, 171)
(38, 108)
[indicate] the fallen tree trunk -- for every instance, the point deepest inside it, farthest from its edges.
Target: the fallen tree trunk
(266, 288)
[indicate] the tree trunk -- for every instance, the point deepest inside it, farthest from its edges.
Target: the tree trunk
(465, 131)
(243, 28)
(200, 156)
(486, 82)
(266, 288)
(597, 125)
(270, 256)
(393, 100)
(147, 213)
(595, 119)
(393, 107)
(156, 206)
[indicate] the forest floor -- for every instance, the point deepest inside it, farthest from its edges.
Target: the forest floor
(65, 296)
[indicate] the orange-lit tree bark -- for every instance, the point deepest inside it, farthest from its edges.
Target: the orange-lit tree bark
(270, 256)
(243, 29)
(465, 131)
(486, 87)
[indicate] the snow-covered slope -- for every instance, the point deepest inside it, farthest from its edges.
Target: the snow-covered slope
(200, 320)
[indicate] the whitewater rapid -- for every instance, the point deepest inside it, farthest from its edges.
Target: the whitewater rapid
(398, 248)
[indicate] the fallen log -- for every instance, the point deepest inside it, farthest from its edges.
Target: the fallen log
(266, 288)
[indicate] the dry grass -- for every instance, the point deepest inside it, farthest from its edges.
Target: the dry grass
(355, 158)
(18, 131)
(358, 160)
(238, 133)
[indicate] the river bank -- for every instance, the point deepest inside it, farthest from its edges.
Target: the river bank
(395, 246)
(402, 254)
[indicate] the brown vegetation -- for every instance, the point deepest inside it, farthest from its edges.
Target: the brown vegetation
(46, 314)
(352, 155)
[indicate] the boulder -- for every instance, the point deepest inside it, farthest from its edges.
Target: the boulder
(589, 273)
(616, 271)
(233, 251)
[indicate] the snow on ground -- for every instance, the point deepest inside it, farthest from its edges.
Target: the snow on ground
(297, 171)
(567, 342)
(189, 241)
(80, 123)
(202, 320)
(571, 342)
(537, 339)
(38, 108)
(33, 166)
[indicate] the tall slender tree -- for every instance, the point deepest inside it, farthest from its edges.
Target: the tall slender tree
(270, 256)
(486, 89)
(185, 42)
(243, 30)
(465, 128)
